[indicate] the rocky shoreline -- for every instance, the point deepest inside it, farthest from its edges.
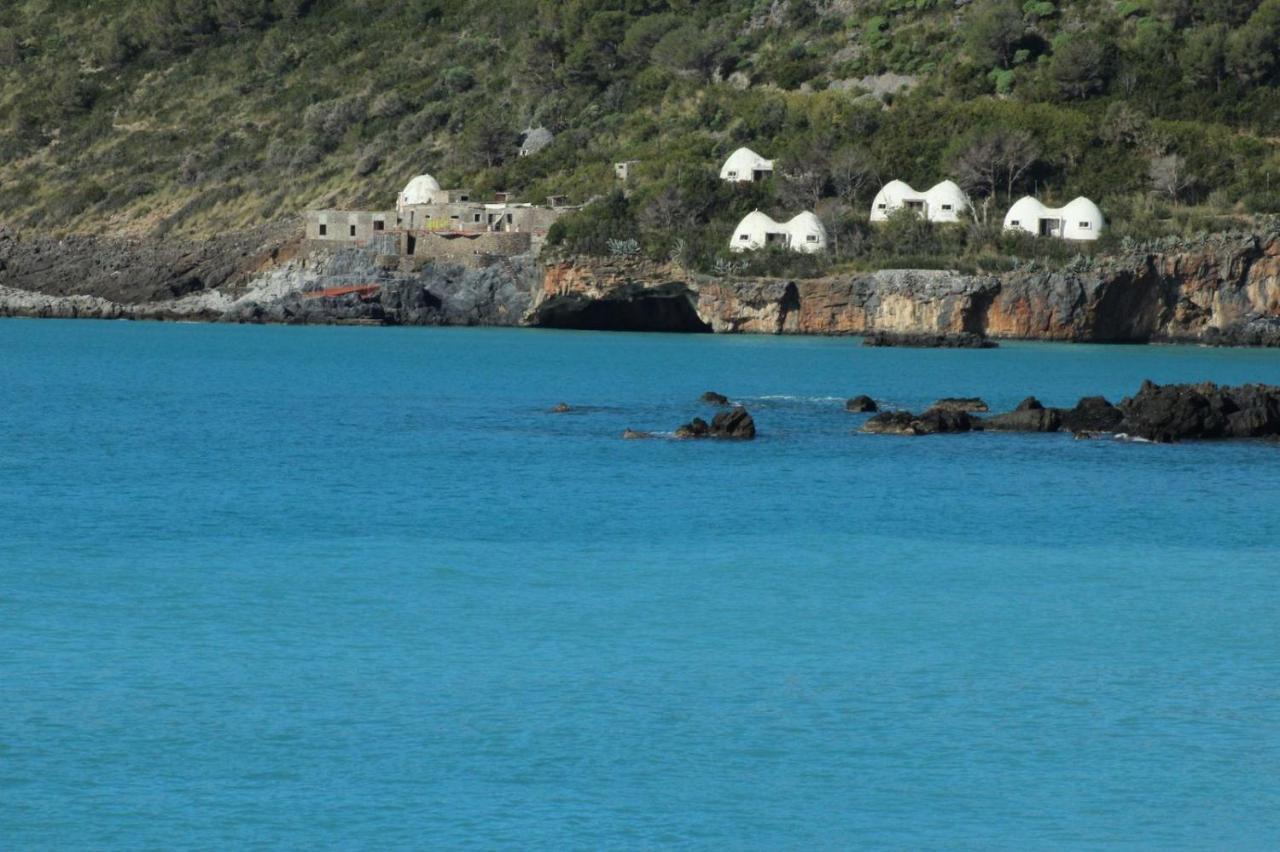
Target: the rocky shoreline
(1220, 290)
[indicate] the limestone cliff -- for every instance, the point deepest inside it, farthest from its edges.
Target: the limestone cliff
(1221, 289)
(1218, 289)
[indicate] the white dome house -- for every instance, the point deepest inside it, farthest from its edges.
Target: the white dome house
(942, 202)
(807, 233)
(1079, 220)
(420, 190)
(757, 230)
(744, 166)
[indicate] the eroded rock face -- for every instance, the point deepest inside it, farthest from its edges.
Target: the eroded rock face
(1091, 414)
(1223, 289)
(1025, 420)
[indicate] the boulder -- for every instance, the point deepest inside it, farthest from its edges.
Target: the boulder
(932, 422)
(1024, 420)
(736, 424)
(891, 423)
(561, 408)
(861, 404)
(1092, 414)
(938, 420)
(695, 428)
(635, 435)
(961, 403)
(1030, 404)
(715, 398)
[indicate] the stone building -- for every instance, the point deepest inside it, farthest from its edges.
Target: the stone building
(446, 224)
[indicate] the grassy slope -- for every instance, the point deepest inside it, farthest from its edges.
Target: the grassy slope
(118, 119)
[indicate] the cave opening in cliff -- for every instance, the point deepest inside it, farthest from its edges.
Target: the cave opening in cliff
(638, 313)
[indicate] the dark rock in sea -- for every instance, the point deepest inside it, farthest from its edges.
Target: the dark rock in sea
(715, 398)
(1024, 420)
(891, 423)
(961, 403)
(1169, 413)
(734, 424)
(1029, 404)
(959, 340)
(1259, 331)
(635, 435)
(932, 422)
(561, 408)
(861, 404)
(938, 420)
(1092, 414)
(695, 428)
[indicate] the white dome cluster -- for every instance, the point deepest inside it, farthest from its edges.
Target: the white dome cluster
(803, 232)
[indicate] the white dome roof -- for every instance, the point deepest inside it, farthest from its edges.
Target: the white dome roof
(742, 164)
(1080, 219)
(802, 227)
(418, 191)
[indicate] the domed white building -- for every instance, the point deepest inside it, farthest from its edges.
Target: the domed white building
(1080, 219)
(808, 234)
(942, 202)
(421, 190)
(744, 166)
(804, 232)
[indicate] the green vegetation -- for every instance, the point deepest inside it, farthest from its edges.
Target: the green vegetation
(197, 115)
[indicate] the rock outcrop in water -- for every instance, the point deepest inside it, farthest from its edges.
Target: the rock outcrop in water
(929, 340)
(861, 404)
(735, 424)
(1158, 413)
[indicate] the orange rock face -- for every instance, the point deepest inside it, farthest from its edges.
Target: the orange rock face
(1177, 293)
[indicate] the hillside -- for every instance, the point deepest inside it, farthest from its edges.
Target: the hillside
(197, 116)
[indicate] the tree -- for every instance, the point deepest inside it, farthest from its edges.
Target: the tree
(997, 160)
(852, 171)
(992, 31)
(1079, 66)
(1169, 176)
(1203, 56)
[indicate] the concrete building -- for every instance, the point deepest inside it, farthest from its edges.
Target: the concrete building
(1080, 219)
(804, 233)
(942, 202)
(622, 169)
(745, 166)
(444, 224)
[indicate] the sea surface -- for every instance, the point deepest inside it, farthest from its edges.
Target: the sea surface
(357, 588)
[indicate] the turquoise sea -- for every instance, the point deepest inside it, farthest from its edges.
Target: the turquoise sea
(355, 588)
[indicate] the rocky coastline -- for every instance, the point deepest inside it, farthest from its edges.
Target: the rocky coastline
(1220, 290)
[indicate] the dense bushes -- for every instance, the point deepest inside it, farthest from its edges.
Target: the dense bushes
(1151, 107)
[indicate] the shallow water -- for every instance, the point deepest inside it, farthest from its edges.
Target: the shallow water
(355, 587)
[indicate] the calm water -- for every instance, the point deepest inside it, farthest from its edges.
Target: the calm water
(348, 587)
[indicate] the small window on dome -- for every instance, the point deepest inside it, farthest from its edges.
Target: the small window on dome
(811, 238)
(741, 239)
(946, 207)
(731, 175)
(1084, 225)
(1014, 223)
(881, 206)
